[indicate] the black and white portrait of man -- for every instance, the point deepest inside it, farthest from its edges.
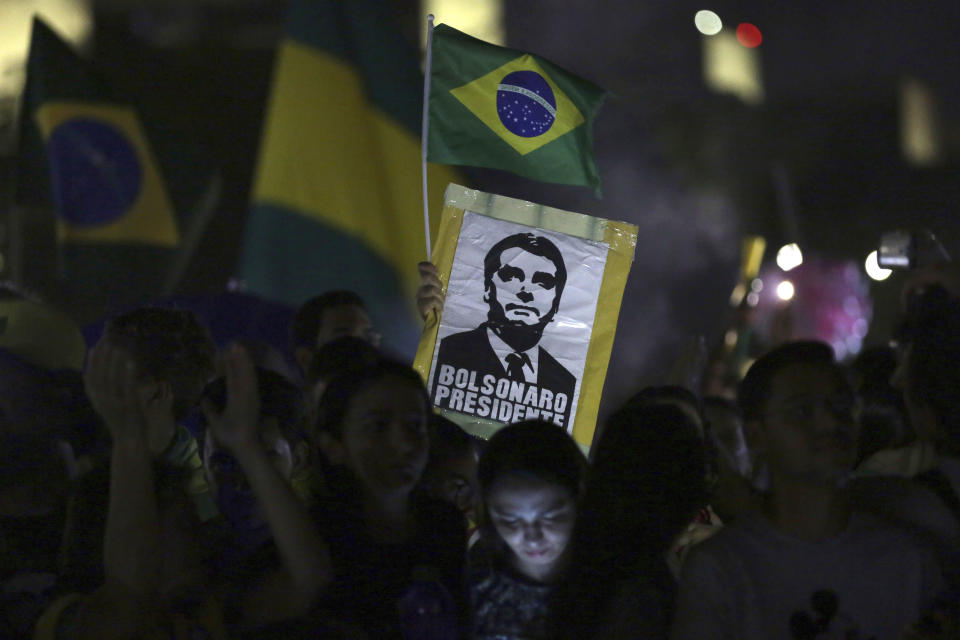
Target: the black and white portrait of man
(499, 369)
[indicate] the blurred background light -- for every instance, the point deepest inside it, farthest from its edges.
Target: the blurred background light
(873, 268)
(823, 299)
(732, 69)
(730, 338)
(749, 35)
(71, 19)
(785, 290)
(789, 256)
(708, 23)
(481, 19)
(921, 135)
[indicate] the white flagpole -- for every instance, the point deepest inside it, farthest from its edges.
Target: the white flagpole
(426, 128)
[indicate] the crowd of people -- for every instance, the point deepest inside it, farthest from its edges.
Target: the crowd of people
(155, 487)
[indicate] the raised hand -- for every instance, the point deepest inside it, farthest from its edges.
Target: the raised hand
(293, 590)
(116, 391)
(236, 426)
(430, 292)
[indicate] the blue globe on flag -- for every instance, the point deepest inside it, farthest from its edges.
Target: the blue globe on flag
(96, 171)
(526, 104)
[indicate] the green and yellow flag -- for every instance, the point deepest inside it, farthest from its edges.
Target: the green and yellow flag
(105, 184)
(122, 188)
(505, 109)
(337, 199)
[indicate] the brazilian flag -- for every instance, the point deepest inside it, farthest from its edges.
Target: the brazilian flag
(337, 196)
(505, 109)
(85, 154)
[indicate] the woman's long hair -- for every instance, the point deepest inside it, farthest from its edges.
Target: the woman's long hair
(647, 483)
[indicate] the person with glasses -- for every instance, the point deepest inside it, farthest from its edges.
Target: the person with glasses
(809, 565)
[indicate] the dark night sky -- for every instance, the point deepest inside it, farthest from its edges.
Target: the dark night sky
(692, 169)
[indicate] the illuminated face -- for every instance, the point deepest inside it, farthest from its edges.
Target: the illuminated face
(808, 429)
(229, 485)
(523, 290)
(345, 320)
(384, 440)
(535, 519)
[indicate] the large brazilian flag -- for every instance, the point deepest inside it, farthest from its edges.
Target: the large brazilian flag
(337, 196)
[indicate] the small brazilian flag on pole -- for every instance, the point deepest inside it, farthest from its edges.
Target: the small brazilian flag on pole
(505, 109)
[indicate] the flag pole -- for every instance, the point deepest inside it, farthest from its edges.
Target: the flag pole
(426, 128)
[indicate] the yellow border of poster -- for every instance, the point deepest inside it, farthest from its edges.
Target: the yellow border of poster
(622, 241)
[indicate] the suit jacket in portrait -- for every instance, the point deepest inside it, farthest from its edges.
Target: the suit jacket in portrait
(471, 350)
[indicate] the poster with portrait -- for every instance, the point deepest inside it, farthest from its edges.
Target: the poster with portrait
(521, 334)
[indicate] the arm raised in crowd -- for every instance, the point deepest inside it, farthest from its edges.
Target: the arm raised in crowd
(132, 562)
(306, 561)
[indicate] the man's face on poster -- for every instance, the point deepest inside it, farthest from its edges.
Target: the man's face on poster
(524, 289)
(526, 286)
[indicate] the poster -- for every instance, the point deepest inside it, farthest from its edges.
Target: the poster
(521, 335)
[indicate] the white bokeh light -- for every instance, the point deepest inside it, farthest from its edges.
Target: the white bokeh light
(708, 23)
(785, 290)
(789, 257)
(873, 268)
